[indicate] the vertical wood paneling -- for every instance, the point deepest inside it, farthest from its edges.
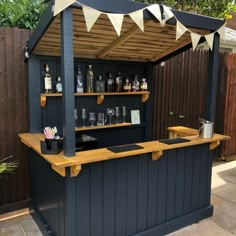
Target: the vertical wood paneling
(13, 113)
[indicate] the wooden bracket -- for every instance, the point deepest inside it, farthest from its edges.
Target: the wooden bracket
(60, 171)
(74, 170)
(156, 155)
(24, 142)
(145, 97)
(214, 145)
(100, 99)
(43, 100)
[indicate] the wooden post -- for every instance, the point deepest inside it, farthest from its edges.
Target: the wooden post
(67, 66)
(212, 80)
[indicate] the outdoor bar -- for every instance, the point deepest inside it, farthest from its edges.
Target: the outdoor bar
(121, 182)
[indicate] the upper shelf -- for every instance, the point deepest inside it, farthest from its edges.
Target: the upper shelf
(100, 96)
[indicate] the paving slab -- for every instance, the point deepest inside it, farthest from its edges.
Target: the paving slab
(12, 230)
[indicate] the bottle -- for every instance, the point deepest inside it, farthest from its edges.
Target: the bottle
(100, 85)
(143, 85)
(118, 82)
(127, 85)
(135, 84)
(58, 85)
(79, 81)
(90, 80)
(110, 83)
(47, 80)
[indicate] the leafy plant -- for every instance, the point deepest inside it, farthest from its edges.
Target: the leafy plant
(7, 167)
(216, 8)
(21, 13)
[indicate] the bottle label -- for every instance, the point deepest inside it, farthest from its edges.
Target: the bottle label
(48, 83)
(59, 87)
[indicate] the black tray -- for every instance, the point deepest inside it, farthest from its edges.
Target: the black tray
(174, 140)
(124, 148)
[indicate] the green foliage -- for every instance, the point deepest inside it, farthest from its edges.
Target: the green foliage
(216, 8)
(21, 13)
(7, 167)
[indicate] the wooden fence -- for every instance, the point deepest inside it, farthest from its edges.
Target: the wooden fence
(13, 114)
(180, 93)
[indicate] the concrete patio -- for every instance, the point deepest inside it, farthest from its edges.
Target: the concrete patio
(222, 223)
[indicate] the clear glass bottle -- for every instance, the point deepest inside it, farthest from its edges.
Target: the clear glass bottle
(47, 80)
(127, 85)
(110, 83)
(100, 85)
(90, 80)
(118, 82)
(143, 85)
(58, 85)
(135, 84)
(79, 81)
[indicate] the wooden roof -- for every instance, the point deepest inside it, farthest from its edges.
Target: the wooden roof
(102, 41)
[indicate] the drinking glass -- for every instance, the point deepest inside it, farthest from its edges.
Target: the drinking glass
(76, 116)
(117, 114)
(110, 113)
(84, 116)
(124, 113)
(92, 117)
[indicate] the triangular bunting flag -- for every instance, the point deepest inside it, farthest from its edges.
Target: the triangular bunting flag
(180, 29)
(195, 39)
(61, 5)
(221, 32)
(167, 12)
(156, 11)
(137, 17)
(210, 39)
(90, 16)
(116, 20)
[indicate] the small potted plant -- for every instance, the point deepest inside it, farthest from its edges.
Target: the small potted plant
(7, 166)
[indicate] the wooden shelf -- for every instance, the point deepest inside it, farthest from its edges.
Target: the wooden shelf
(100, 96)
(102, 126)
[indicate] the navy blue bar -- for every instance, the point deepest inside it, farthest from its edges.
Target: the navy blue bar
(67, 66)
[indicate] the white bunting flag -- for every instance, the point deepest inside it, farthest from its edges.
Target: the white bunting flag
(221, 32)
(137, 17)
(156, 11)
(180, 29)
(195, 39)
(210, 39)
(61, 5)
(116, 20)
(167, 12)
(90, 16)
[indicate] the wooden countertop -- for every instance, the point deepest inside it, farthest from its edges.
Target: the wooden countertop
(59, 161)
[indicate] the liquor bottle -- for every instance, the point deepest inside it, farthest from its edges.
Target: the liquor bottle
(100, 85)
(110, 83)
(58, 85)
(90, 80)
(135, 84)
(143, 85)
(47, 80)
(79, 81)
(118, 82)
(127, 85)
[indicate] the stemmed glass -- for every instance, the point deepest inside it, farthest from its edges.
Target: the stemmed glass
(110, 113)
(124, 113)
(117, 114)
(76, 116)
(84, 116)
(92, 117)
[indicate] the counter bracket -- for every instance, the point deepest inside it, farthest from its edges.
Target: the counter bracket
(75, 170)
(100, 99)
(145, 97)
(43, 100)
(156, 155)
(213, 145)
(60, 171)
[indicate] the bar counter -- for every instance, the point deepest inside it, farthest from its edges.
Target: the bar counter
(59, 162)
(146, 192)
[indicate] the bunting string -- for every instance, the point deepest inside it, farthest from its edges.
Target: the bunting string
(91, 15)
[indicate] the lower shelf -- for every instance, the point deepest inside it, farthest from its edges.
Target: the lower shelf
(102, 126)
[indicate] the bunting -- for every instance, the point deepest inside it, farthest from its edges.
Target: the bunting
(210, 39)
(221, 32)
(91, 15)
(180, 30)
(195, 39)
(137, 17)
(156, 11)
(61, 5)
(116, 20)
